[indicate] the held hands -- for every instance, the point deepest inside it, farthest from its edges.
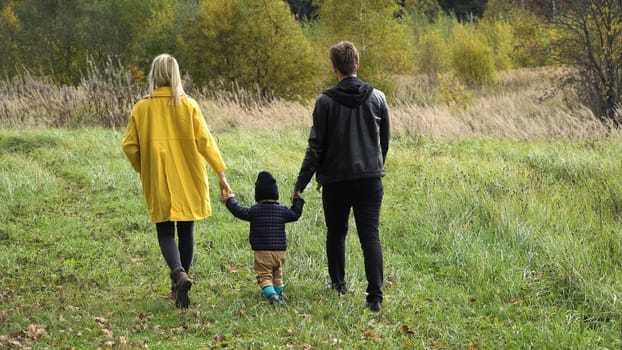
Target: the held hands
(230, 194)
(225, 189)
(295, 194)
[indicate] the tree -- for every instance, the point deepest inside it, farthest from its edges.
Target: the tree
(10, 26)
(153, 26)
(61, 38)
(465, 10)
(530, 30)
(304, 10)
(428, 9)
(592, 42)
(250, 45)
(43, 36)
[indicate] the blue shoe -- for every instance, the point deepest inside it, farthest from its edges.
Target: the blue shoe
(279, 290)
(267, 291)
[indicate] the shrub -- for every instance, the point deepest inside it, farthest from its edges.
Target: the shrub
(471, 57)
(255, 45)
(532, 40)
(500, 37)
(431, 53)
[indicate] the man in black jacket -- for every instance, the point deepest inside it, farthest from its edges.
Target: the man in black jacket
(346, 149)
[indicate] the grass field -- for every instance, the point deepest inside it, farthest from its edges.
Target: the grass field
(489, 244)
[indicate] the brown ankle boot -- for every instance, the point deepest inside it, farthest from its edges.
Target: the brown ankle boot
(173, 288)
(182, 286)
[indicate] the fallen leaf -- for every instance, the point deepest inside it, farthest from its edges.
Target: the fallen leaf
(122, 342)
(219, 339)
(15, 343)
(71, 308)
(233, 268)
(473, 346)
(108, 333)
(35, 331)
(371, 335)
(408, 331)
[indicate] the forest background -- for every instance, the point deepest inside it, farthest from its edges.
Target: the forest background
(263, 51)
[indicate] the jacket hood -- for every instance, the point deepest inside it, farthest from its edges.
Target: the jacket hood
(350, 91)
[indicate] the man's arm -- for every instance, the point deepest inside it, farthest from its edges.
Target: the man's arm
(315, 148)
(385, 129)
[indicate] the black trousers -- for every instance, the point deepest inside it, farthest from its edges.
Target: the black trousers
(364, 198)
(182, 253)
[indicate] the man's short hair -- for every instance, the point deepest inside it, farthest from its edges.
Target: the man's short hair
(345, 57)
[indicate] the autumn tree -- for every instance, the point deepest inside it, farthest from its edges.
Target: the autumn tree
(429, 9)
(304, 10)
(464, 10)
(42, 36)
(530, 29)
(10, 26)
(62, 38)
(250, 45)
(592, 42)
(154, 26)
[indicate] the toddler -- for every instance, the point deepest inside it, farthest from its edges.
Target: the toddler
(267, 233)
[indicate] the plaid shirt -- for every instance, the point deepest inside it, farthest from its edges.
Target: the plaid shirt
(267, 222)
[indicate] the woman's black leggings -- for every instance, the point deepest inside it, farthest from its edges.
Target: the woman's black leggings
(181, 254)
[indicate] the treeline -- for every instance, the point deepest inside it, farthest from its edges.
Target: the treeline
(277, 48)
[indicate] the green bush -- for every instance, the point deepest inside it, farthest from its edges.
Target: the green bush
(253, 45)
(500, 37)
(471, 57)
(431, 53)
(532, 40)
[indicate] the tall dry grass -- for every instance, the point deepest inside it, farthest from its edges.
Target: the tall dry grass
(103, 97)
(524, 104)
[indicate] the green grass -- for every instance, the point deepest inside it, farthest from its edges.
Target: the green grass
(488, 244)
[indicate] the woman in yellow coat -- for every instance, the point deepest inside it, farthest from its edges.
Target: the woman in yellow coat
(168, 143)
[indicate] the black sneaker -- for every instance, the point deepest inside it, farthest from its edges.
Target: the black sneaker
(275, 300)
(374, 306)
(339, 287)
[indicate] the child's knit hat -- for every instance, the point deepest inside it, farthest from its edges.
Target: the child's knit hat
(266, 187)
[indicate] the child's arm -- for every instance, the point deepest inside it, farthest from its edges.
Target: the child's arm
(235, 208)
(295, 211)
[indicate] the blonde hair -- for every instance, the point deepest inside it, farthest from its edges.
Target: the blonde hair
(165, 72)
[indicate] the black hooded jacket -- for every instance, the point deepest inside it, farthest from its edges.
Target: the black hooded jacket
(349, 138)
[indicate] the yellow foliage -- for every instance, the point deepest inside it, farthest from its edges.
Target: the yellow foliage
(9, 18)
(454, 93)
(500, 37)
(431, 52)
(472, 59)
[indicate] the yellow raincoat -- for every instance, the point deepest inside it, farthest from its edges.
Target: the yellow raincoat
(168, 146)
